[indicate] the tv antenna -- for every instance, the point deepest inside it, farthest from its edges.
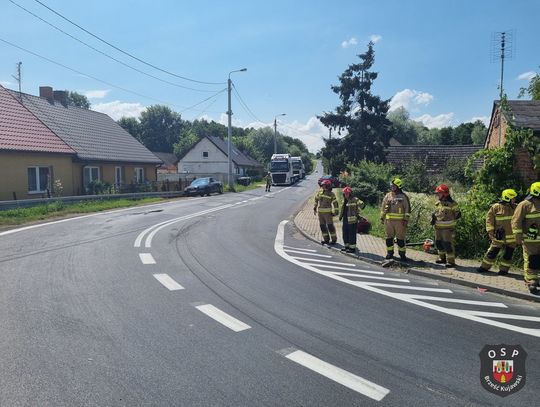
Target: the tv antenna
(18, 77)
(502, 47)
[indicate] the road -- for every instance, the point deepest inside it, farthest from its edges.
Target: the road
(219, 301)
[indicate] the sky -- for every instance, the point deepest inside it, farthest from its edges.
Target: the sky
(433, 57)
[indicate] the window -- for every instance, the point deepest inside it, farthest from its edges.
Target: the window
(118, 176)
(39, 179)
(205, 154)
(90, 174)
(139, 175)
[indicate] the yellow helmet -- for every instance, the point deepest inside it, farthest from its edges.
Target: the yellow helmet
(397, 182)
(508, 194)
(535, 189)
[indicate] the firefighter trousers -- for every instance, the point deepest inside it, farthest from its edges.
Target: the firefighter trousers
(395, 228)
(531, 261)
(491, 255)
(328, 230)
(444, 242)
(349, 235)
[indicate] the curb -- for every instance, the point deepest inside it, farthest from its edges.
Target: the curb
(422, 273)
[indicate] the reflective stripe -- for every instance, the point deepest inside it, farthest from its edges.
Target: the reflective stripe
(503, 217)
(445, 224)
(490, 229)
(485, 260)
(531, 240)
(393, 216)
(325, 210)
(516, 231)
(532, 216)
(351, 219)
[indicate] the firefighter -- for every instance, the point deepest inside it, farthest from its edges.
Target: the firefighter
(444, 219)
(268, 178)
(525, 225)
(325, 202)
(499, 230)
(395, 213)
(349, 213)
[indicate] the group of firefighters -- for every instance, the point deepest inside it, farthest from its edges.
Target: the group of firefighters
(508, 225)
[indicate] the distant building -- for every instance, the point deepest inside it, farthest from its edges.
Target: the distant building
(170, 163)
(523, 114)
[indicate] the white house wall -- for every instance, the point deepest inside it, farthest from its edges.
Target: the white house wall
(216, 162)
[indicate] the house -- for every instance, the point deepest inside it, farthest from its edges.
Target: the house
(435, 157)
(523, 114)
(100, 149)
(209, 158)
(169, 165)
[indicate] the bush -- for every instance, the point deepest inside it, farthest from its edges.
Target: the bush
(455, 171)
(369, 180)
(416, 179)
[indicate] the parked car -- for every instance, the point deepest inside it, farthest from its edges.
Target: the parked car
(336, 183)
(204, 186)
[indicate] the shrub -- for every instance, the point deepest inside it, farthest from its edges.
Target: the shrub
(416, 178)
(369, 180)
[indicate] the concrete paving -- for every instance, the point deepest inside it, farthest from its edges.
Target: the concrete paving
(373, 249)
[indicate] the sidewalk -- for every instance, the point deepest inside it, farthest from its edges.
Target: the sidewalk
(373, 249)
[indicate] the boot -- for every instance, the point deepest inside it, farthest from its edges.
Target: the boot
(389, 256)
(323, 242)
(440, 261)
(333, 242)
(403, 257)
(351, 250)
(533, 288)
(450, 265)
(343, 249)
(482, 270)
(503, 272)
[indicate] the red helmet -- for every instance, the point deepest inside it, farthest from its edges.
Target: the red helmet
(347, 190)
(326, 183)
(442, 189)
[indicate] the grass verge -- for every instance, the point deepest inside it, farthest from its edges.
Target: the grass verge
(242, 188)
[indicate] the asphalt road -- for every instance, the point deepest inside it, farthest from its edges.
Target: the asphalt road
(216, 301)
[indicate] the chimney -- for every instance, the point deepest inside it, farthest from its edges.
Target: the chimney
(46, 92)
(60, 96)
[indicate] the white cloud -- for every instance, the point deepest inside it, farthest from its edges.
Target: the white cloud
(526, 76)
(484, 119)
(348, 43)
(441, 120)
(410, 99)
(96, 94)
(375, 38)
(117, 109)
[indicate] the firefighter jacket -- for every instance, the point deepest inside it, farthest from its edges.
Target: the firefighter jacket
(446, 213)
(395, 206)
(325, 201)
(526, 220)
(498, 223)
(351, 209)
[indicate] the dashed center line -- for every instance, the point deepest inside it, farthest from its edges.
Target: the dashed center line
(168, 282)
(147, 258)
(223, 318)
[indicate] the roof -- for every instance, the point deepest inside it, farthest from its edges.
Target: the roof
(20, 130)
(238, 157)
(94, 136)
(169, 159)
(434, 157)
(525, 113)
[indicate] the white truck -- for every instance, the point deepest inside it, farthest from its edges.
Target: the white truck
(282, 170)
(298, 167)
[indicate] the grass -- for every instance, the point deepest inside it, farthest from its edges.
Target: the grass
(18, 216)
(242, 188)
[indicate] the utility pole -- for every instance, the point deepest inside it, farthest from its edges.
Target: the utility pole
(18, 78)
(275, 131)
(501, 49)
(229, 130)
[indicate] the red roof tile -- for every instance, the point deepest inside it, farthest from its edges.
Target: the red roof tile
(20, 130)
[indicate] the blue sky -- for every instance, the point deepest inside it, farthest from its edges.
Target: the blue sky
(433, 57)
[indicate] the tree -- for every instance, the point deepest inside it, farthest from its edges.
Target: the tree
(403, 129)
(185, 143)
(361, 114)
(533, 90)
(263, 143)
(479, 132)
(132, 126)
(76, 99)
(160, 128)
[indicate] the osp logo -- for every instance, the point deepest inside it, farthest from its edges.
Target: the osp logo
(502, 368)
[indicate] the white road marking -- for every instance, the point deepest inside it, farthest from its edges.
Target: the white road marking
(299, 248)
(401, 280)
(168, 282)
(410, 287)
(278, 247)
(147, 258)
(309, 254)
(344, 268)
(223, 318)
(338, 375)
(458, 300)
(504, 316)
(324, 261)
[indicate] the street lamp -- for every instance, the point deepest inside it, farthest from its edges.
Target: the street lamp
(275, 131)
(229, 128)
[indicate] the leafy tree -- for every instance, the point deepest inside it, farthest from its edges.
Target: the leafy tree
(455, 171)
(361, 114)
(263, 143)
(416, 177)
(132, 126)
(76, 99)
(333, 156)
(185, 143)
(403, 129)
(462, 133)
(533, 90)
(479, 132)
(160, 128)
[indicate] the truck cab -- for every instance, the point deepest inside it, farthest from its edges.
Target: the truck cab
(282, 170)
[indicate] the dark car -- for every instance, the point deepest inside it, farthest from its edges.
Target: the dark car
(204, 186)
(336, 183)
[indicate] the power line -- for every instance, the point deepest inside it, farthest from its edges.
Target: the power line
(105, 82)
(127, 53)
(245, 106)
(105, 54)
(202, 101)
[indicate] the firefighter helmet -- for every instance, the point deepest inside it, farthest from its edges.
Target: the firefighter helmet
(326, 183)
(442, 189)
(347, 190)
(508, 194)
(535, 189)
(397, 182)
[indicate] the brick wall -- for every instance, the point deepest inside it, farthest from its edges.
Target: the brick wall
(523, 166)
(493, 136)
